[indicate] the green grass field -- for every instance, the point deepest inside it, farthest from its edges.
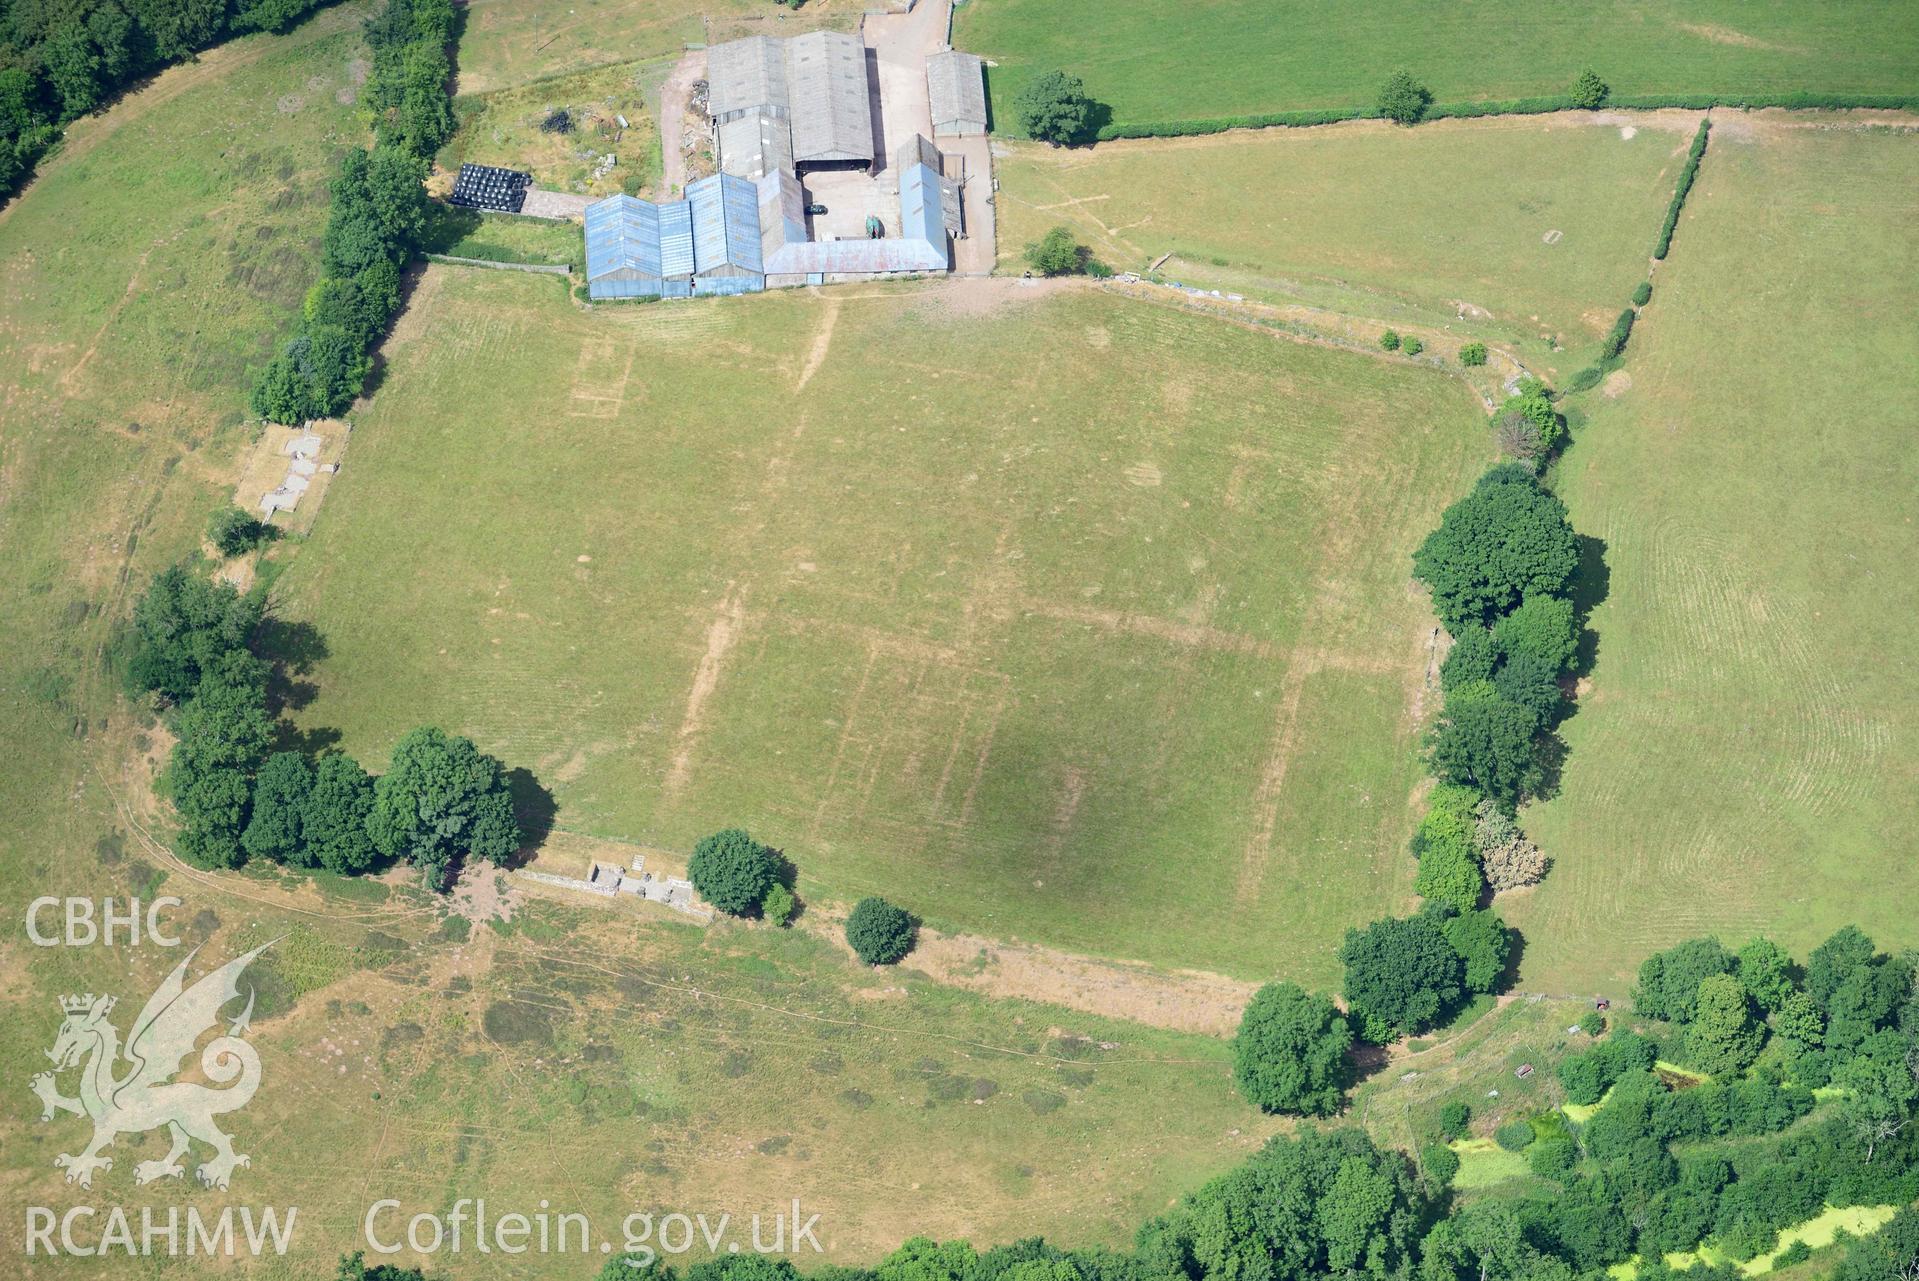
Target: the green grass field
(1518, 230)
(132, 297)
(1081, 650)
(1741, 760)
(1233, 57)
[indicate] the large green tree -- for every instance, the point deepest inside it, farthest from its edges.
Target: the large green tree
(1322, 1203)
(1483, 943)
(1724, 1038)
(334, 820)
(442, 799)
(1542, 628)
(1507, 538)
(281, 793)
(1402, 974)
(1668, 986)
(732, 871)
(1403, 100)
(1291, 1051)
(879, 932)
(223, 732)
(1488, 742)
(1054, 108)
(182, 624)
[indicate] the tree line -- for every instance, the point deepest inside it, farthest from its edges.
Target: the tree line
(1500, 569)
(441, 799)
(376, 221)
(61, 59)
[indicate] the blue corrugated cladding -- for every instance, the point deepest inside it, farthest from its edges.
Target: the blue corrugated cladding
(676, 239)
(726, 224)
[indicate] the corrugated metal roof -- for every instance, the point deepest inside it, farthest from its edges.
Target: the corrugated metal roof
(726, 224)
(755, 143)
(812, 85)
(745, 75)
(782, 213)
(827, 96)
(676, 239)
(856, 257)
(956, 90)
(622, 236)
(921, 217)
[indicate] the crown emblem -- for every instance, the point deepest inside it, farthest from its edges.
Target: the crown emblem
(82, 1004)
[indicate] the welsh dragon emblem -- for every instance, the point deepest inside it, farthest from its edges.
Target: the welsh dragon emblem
(131, 1090)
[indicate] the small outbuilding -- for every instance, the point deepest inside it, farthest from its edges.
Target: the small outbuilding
(956, 90)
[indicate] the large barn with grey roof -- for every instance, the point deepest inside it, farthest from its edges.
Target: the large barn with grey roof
(796, 103)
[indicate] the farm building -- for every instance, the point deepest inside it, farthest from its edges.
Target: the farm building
(791, 259)
(708, 243)
(956, 89)
(797, 103)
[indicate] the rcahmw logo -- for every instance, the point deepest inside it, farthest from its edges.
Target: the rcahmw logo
(86, 1232)
(130, 1089)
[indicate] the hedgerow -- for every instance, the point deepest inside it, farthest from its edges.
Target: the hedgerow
(1535, 106)
(378, 217)
(1682, 189)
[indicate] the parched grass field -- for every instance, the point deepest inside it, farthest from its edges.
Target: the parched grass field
(513, 42)
(1149, 62)
(1521, 229)
(1048, 613)
(1742, 757)
(503, 128)
(609, 1067)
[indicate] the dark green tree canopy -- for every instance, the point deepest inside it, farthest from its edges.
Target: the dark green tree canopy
(1589, 91)
(1401, 975)
(879, 932)
(1669, 981)
(183, 623)
(1054, 108)
(1472, 658)
(281, 793)
(1486, 742)
(1056, 254)
(732, 871)
(1724, 1038)
(1542, 628)
(1483, 943)
(1290, 1054)
(1835, 960)
(334, 820)
(1507, 538)
(1324, 1203)
(442, 799)
(1403, 100)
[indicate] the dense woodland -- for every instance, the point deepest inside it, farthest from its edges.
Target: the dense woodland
(60, 59)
